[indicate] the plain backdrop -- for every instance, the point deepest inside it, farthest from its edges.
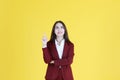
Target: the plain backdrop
(93, 27)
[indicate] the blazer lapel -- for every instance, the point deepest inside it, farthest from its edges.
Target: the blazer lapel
(55, 52)
(65, 49)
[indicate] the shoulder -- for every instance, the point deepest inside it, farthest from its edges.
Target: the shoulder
(70, 43)
(49, 43)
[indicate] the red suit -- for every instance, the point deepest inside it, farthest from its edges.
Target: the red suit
(53, 71)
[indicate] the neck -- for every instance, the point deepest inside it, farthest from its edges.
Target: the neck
(59, 39)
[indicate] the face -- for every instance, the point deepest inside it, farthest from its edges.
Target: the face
(59, 30)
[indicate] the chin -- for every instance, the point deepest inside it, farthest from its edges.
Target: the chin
(59, 35)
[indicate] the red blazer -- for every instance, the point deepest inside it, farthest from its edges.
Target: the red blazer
(50, 53)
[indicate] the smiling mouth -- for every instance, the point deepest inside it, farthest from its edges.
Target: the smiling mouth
(59, 32)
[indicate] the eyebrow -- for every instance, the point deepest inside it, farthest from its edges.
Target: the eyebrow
(58, 26)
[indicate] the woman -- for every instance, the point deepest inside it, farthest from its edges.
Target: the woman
(58, 53)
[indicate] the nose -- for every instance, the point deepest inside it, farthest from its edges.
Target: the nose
(59, 29)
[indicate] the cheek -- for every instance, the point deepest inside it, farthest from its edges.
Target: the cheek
(63, 31)
(55, 31)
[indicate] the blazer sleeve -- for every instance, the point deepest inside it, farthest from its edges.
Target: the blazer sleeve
(46, 54)
(68, 60)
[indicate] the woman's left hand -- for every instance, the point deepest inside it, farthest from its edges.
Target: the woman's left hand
(52, 62)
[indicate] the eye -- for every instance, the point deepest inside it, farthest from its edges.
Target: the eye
(62, 27)
(56, 27)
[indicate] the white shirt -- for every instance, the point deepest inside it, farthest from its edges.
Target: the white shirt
(60, 48)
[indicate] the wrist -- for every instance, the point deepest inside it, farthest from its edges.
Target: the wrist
(44, 46)
(52, 62)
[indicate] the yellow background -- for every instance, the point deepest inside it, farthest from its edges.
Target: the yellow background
(93, 26)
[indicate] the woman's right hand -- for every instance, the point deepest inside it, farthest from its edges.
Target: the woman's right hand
(44, 41)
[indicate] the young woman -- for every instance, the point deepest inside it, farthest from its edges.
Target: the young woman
(58, 53)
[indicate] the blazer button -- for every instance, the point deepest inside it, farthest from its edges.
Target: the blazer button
(59, 66)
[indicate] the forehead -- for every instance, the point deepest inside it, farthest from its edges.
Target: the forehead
(59, 24)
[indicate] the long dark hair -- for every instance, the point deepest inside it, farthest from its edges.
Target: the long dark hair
(53, 35)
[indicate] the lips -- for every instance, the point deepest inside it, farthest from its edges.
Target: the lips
(59, 32)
